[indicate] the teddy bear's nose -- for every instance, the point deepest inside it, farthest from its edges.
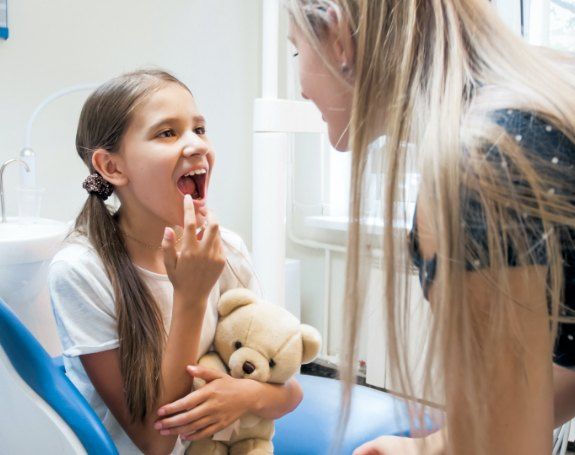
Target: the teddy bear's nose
(248, 367)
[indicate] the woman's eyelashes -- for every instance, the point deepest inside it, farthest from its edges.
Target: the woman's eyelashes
(200, 130)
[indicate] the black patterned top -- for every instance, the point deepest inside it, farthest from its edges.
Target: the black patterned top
(544, 143)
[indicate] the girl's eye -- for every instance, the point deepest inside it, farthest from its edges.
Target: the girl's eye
(201, 130)
(167, 133)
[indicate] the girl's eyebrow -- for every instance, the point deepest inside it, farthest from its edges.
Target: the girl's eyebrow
(195, 118)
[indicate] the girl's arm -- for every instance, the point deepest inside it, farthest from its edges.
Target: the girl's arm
(222, 401)
(103, 369)
(272, 401)
(193, 272)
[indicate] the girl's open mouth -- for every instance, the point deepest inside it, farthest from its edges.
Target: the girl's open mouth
(194, 184)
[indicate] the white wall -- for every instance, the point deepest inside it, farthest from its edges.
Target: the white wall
(212, 46)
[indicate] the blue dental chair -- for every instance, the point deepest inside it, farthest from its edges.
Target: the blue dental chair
(311, 428)
(42, 411)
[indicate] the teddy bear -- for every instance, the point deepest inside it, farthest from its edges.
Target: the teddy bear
(259, 341)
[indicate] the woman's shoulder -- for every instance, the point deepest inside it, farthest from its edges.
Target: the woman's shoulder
(492, 138)
(523, 119)
(536, 132)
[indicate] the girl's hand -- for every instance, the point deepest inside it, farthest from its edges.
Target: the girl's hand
(196, 268)
(208, 410)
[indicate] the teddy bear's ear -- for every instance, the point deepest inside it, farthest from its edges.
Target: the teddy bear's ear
(235, 298)
(311, 340)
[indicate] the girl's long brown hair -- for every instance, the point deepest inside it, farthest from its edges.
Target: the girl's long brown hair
(431, 73)
(104, 118)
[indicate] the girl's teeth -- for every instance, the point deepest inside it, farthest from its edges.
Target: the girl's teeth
(196, 172)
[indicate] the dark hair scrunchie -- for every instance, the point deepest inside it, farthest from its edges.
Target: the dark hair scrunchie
(95, 184)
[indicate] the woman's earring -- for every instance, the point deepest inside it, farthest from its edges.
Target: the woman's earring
(344, 69)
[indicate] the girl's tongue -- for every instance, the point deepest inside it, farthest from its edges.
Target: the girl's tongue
(187, 185)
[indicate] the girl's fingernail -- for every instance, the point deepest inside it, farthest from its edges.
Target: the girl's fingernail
(158, 426)
(165, 432)
(161, 412)
(167, 233)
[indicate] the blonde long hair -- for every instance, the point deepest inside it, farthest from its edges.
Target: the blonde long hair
(432, 73)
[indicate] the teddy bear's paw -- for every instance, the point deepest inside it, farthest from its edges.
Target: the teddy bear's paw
(198, 383)
(252, 447)
(207, 447)
(249, 421)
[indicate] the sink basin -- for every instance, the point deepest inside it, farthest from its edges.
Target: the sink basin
(24, 243)
(25, 253)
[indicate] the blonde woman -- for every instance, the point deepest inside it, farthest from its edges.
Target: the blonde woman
(492, 123)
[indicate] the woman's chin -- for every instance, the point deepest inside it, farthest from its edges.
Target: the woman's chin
(339, 140)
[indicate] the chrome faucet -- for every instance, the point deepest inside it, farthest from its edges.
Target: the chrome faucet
(4, 164)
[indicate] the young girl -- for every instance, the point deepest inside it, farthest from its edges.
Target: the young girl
(492, 123)
(135, 290)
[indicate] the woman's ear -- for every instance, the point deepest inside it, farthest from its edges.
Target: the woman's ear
(109, 166)
(342, 42)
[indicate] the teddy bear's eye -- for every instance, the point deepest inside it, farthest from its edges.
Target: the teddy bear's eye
(238, 344)
(272, 363)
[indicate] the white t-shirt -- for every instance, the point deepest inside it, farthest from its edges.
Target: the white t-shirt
(83, 303)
